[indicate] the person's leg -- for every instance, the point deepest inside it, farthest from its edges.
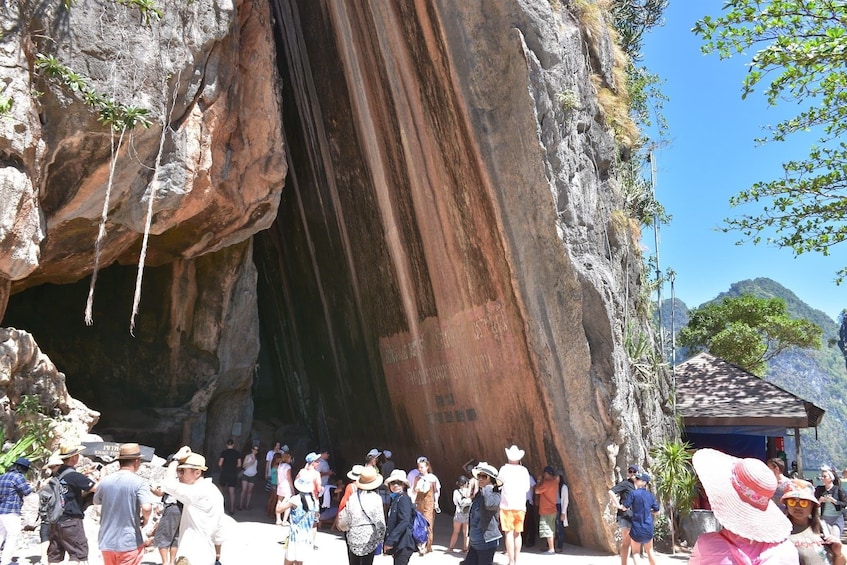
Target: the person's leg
(231, 489)
(472, 557)
(10, 525)
(465, 538)
(402, 557)
(509, 538)
(519, 526)
(486, 556)
(457, 527)
(648, 549)
(625, 543)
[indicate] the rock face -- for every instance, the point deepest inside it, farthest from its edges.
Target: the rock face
(207, 72)
(450, 270)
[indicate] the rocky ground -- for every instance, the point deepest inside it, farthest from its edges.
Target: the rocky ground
(258, 542)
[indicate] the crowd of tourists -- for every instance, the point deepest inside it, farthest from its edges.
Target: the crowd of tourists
(186, 516)
(765, 517)
(386, 510)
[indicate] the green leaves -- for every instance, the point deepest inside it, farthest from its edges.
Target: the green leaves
(801, 47)
(747, 331)
(110, 112)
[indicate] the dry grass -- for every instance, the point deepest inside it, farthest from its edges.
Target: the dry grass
(613, 98)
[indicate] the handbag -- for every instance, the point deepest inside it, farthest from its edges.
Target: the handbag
(343, 519)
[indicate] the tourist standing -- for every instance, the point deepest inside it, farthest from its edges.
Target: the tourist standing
(13, 488)
(547, 492)
(125, 504)
(302, 507)
(229, 463)
(399, 542)
(624, 516)
(644, 506)
(250, 464)
(462, 503)
(832, 501)
(67, 535)
(363, 519)
(516, 485)
(427, 489)
(483, 528)
(739, 492)
(202, 507)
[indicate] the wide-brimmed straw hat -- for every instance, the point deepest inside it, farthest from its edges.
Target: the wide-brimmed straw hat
(798, 488)
(355, 471)
(129, 451)
(397, 476)
(193, 461)
(740, 491)
(514, 454)
(483, 467)
(54, 460)
(370, 479)
(67, 451)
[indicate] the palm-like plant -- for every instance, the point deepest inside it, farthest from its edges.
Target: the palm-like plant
(675, 480)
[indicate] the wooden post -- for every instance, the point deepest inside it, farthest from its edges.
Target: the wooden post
(798, 452)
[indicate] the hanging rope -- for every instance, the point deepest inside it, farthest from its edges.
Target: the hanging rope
(101, 233)
(154, 188)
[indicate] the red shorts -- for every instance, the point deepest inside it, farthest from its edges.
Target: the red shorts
(132, 557)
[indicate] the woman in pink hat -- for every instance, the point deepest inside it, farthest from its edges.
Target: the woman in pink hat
(755, 531)
(815, 543)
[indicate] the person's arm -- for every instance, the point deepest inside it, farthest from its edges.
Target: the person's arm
(220, 461)
(614, 500)
(565, 494)
(490, 498)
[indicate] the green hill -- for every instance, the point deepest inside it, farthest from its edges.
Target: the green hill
(818, 376)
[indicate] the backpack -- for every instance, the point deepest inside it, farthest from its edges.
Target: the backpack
(420, 528)
(51, 503)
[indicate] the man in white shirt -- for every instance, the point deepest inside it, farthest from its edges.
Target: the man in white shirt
(516, 485)
(202, 511)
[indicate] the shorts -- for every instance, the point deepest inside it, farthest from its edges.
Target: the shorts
(131, 557)
(67, 536)
(229, 480)
(512, 520)
(625, 522)
(167, 530)
(547, 526)
(250, 479)
(461, 517)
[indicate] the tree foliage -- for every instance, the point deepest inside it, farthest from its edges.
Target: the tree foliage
(747, 331)
(801, 50)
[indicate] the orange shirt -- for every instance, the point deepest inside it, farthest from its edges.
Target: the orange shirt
(547, 491)
(348, 490)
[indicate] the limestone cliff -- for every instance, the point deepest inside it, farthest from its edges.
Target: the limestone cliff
(450, 269)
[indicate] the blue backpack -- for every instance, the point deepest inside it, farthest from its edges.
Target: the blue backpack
(420, 528)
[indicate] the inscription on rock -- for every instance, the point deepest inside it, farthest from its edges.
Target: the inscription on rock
(444, 365)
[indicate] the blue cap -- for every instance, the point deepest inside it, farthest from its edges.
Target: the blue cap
(549, 470)
(643, 477)
(22, 462)
(633, 469)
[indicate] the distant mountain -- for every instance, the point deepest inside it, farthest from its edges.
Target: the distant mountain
(818, 376)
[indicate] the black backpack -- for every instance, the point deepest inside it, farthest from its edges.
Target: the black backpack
(51, 503)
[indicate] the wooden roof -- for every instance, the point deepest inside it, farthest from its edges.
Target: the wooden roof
(713, 392)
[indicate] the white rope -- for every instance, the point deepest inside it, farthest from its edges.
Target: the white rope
(101, 234)
(154, 188)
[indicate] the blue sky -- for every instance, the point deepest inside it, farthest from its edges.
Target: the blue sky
(711, 155)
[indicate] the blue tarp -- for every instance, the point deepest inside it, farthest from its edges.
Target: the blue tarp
(737, 445)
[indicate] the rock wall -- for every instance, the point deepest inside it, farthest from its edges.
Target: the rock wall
(457, 268)
(211, 161)
(448, 271)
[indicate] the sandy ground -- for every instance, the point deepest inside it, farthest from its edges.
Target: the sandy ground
(256, 541)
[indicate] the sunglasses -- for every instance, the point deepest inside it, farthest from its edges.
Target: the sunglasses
(481, 476)
(801, 502)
